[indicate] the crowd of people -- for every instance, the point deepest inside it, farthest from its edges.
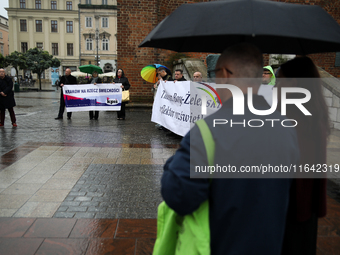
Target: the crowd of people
(69, 79)
(271, 216)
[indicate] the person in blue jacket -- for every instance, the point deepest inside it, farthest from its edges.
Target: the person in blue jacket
(246, 215)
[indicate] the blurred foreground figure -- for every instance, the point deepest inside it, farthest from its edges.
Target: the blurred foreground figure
(247, 215)
(307, 196)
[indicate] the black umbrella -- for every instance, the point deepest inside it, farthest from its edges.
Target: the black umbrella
(273, 26)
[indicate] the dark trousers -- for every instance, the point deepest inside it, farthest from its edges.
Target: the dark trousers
(300, 237)
(121, 113)
(62, 107)
(96, 114)
(11, 114)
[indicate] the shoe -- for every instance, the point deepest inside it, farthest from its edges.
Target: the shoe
(95, 118)
(68, 118)
(59, 118)
(1, 125)
(91, 118)
(14, 125)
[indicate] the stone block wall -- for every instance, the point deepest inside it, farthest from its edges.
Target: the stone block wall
(333, 103)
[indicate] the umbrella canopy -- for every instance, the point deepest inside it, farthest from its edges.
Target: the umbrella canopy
(149, 73)
(274, 27)
(77, 74)
(90, 69)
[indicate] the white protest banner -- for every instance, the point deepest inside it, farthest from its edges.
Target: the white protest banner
(100, 97)
(178, 105)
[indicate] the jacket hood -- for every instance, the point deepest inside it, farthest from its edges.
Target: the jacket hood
(273, 78)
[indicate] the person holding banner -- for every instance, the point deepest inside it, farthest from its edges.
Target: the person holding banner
(94, 80)
(65, 79)
(120, 78)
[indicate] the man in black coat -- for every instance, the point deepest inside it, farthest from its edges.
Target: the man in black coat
(66, 79)
(179, 75)
(6, 97)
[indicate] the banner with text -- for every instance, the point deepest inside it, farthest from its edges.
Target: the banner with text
(178, 105)
(100, 97)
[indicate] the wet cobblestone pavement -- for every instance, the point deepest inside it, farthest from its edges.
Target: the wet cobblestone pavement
(85, 186)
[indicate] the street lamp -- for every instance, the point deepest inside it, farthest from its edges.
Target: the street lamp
(97, 38)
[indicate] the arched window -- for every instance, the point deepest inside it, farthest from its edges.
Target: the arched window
(88, 44)
(105, 43)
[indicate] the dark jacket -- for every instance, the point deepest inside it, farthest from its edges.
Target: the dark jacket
(167, 78)
(247, 215)
(6, 86)
(123, 80)
(182, 79)
(68, 80)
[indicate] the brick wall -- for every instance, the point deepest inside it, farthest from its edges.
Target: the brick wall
(136, 19)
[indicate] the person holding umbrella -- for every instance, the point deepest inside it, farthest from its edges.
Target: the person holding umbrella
(120, 78)
(65, 79)
(94, 80)
(164, 74)
(246, 215)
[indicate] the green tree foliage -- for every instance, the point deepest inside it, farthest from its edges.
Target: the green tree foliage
(38, 61)
(3, 62)
(17, 60)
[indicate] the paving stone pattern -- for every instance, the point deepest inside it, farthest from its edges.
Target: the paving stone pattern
(114, 191)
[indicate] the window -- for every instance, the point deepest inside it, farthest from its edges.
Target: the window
(54, 26)
(23, 25)
(69, 26)
(105, 22)
(23, 47)
(88, 44)
(38, 25)
(55, 49)
(53, 5)
(88, 21)
(88, 1)
(1, 35)
(22, 4)
(70, 49)
(69, 5)
(40, 45)
(104, 2)
(337, 59)
(105, 43)
(2, 49)
(37, 4)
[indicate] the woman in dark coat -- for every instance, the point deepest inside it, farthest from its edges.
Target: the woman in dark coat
(94, 80)
(6, 98)
(120, 78)
(307, 196)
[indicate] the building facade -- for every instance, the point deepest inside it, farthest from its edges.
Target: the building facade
(4, 39)
(98, 33)
(51, 25)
